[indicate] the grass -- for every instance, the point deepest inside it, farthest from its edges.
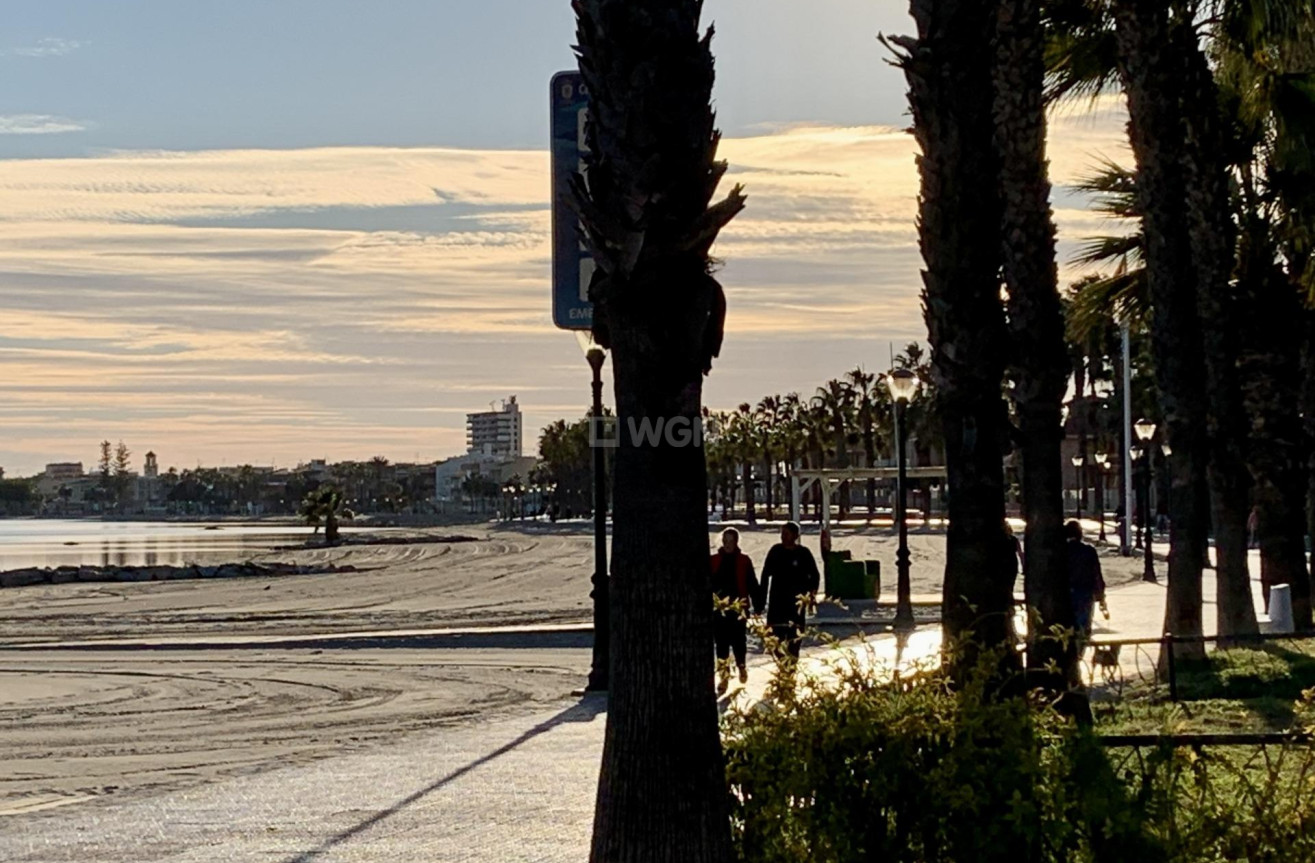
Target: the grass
(1235, 690)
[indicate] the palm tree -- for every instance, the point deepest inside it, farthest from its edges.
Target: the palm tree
(768, 414)
(835, 401)
(867, 397)
(744, 434)
(1035, 320)
(949, 72)
(1265, 69)
(325, 504)
(816, 425)
(1149, 67)
(793, 438)
(1211, 236)
(649, 225)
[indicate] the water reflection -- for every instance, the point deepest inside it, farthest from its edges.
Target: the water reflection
(51, 543)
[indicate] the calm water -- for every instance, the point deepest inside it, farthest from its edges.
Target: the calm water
(78, 542)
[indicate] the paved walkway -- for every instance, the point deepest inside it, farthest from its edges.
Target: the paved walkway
(519, 789)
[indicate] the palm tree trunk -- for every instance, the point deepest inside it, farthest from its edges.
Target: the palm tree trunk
(770, 474)
(652, 172)
(1211, 232)
(1308, 415)
(746, 478)
(1035, 320)
(661, 748)
(870, 452)
(948, 68)
(1271, 366)
(1151, 80)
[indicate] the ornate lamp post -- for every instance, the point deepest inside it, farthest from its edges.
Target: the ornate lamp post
(1078, 461)
(598, 672)
(1145, 432)
(903, 386)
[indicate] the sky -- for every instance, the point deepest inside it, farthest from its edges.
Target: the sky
(269, 232)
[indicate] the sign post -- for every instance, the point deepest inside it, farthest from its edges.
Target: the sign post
(572, 265)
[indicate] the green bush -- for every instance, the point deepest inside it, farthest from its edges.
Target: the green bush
(858, 767)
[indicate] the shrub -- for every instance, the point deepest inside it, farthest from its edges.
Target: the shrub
(860, 767)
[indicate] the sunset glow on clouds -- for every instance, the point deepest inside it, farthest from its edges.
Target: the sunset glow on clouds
(278, 305)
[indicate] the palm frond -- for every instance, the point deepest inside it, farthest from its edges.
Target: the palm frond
(1114, 188)
(1103, 300)
(1081, 55)
(1110, 250)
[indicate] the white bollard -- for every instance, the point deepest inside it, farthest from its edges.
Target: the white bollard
(1280, 608)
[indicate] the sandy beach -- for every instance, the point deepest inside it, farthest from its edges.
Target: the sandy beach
(82, 721)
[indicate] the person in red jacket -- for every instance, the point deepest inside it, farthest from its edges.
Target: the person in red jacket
(734, 582)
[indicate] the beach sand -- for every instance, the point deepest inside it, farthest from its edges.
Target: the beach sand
(79, 724)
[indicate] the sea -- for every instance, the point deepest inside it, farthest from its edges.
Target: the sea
(42, 542)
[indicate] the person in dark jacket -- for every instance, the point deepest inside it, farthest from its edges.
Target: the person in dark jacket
(736, 585)
(1086, 583)
(790, 581)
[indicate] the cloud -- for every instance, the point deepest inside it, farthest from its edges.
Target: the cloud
(38, 124)
(49, 47)
(343, 302)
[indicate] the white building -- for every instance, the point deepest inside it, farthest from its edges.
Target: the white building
(495, 433)
(494, 440)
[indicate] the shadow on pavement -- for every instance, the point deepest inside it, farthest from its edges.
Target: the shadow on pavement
(583, 711)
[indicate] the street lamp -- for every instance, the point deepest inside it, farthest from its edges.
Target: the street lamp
(598, 672)
(1078, 461)
(1145, 432)
(903, 385)
(1102, 467)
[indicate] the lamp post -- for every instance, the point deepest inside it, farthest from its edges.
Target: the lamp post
(903, 386)
(1145, 432)
(1102, 467)
(1078, 461)
(598, 672)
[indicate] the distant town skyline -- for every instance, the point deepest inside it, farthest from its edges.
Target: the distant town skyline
(258, 233)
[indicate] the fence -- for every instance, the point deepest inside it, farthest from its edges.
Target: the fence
(1112, 665)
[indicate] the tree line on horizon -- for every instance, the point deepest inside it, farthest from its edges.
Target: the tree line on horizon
(1218, 278)
(376, 485)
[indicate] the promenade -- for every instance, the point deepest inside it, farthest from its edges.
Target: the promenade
(516, 789)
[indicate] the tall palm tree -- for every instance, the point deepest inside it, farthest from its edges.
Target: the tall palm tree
(949, 71)
(649, 224)
(1035, 320)
(768, 414)
(793, 435)
(835, 401)
(866, 398)
(1151, 74)
(1211, 235)
(747, 434)
(1267, 72)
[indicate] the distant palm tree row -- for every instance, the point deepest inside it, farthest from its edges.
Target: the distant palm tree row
(753, 449)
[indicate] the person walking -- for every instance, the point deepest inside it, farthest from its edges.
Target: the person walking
(735, 586)
(789, 582)
(1086, 583)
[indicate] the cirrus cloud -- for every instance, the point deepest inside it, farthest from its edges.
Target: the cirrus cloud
(39, 124)
(48, 47)
(277, 305)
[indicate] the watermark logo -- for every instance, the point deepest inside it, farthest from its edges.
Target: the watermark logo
(680, 431)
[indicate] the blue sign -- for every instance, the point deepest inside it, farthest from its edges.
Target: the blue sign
(572, 265)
